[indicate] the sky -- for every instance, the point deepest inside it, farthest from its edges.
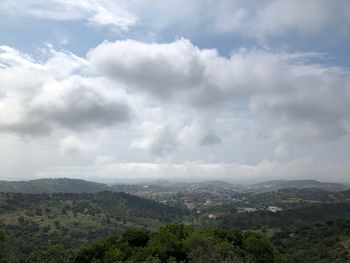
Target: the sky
(128, 91)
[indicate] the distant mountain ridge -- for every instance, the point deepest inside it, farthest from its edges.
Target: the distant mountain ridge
(57, 185)
(65, 185)
(300, 184)
(267, 186)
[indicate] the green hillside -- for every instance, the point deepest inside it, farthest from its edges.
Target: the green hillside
(314, 233)
(31, 220)
(312, 225)
(57, 185)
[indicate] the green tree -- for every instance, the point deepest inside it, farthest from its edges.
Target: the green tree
(258, 247)
(168, 242)
(2, 252)
(52, 254)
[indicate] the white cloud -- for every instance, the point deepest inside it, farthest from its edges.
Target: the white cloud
(72, 144)
(287, 90)
(312, 16)
(297, 99)
(104, 159)
(248, 18)
(198, 132)
(225, 17)
(189, 104)
(167, 135)
(38, 98)
(96, 12)
(160, 68)
(161, 142)
(305, 16)
(181, 69)
(206, 17)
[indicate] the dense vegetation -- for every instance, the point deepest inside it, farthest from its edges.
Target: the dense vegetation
(287, 219)
(314, 233)
(320, 242)
(313, 225)
(172, 243)
(30, 220)
(2, 252)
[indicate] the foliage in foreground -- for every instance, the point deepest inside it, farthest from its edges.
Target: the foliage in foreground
(172, 243)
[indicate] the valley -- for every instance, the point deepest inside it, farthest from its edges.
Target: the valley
(288, 216)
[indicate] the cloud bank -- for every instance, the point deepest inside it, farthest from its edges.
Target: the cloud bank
(223, 89)
(39, 98)
(297, 98)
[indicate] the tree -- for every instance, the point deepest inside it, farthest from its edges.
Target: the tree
(2, 252)
(52, 254)
(258, 247)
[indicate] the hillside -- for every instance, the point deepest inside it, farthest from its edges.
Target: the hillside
(314, 233)
(70, 219)
(307, 217)
(59, 185)
(321, 242)
(65, 185)
(280, 184)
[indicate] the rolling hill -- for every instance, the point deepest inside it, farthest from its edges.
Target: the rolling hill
(280, 184)
(65, 185)
(71, 219)
(59, 185)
